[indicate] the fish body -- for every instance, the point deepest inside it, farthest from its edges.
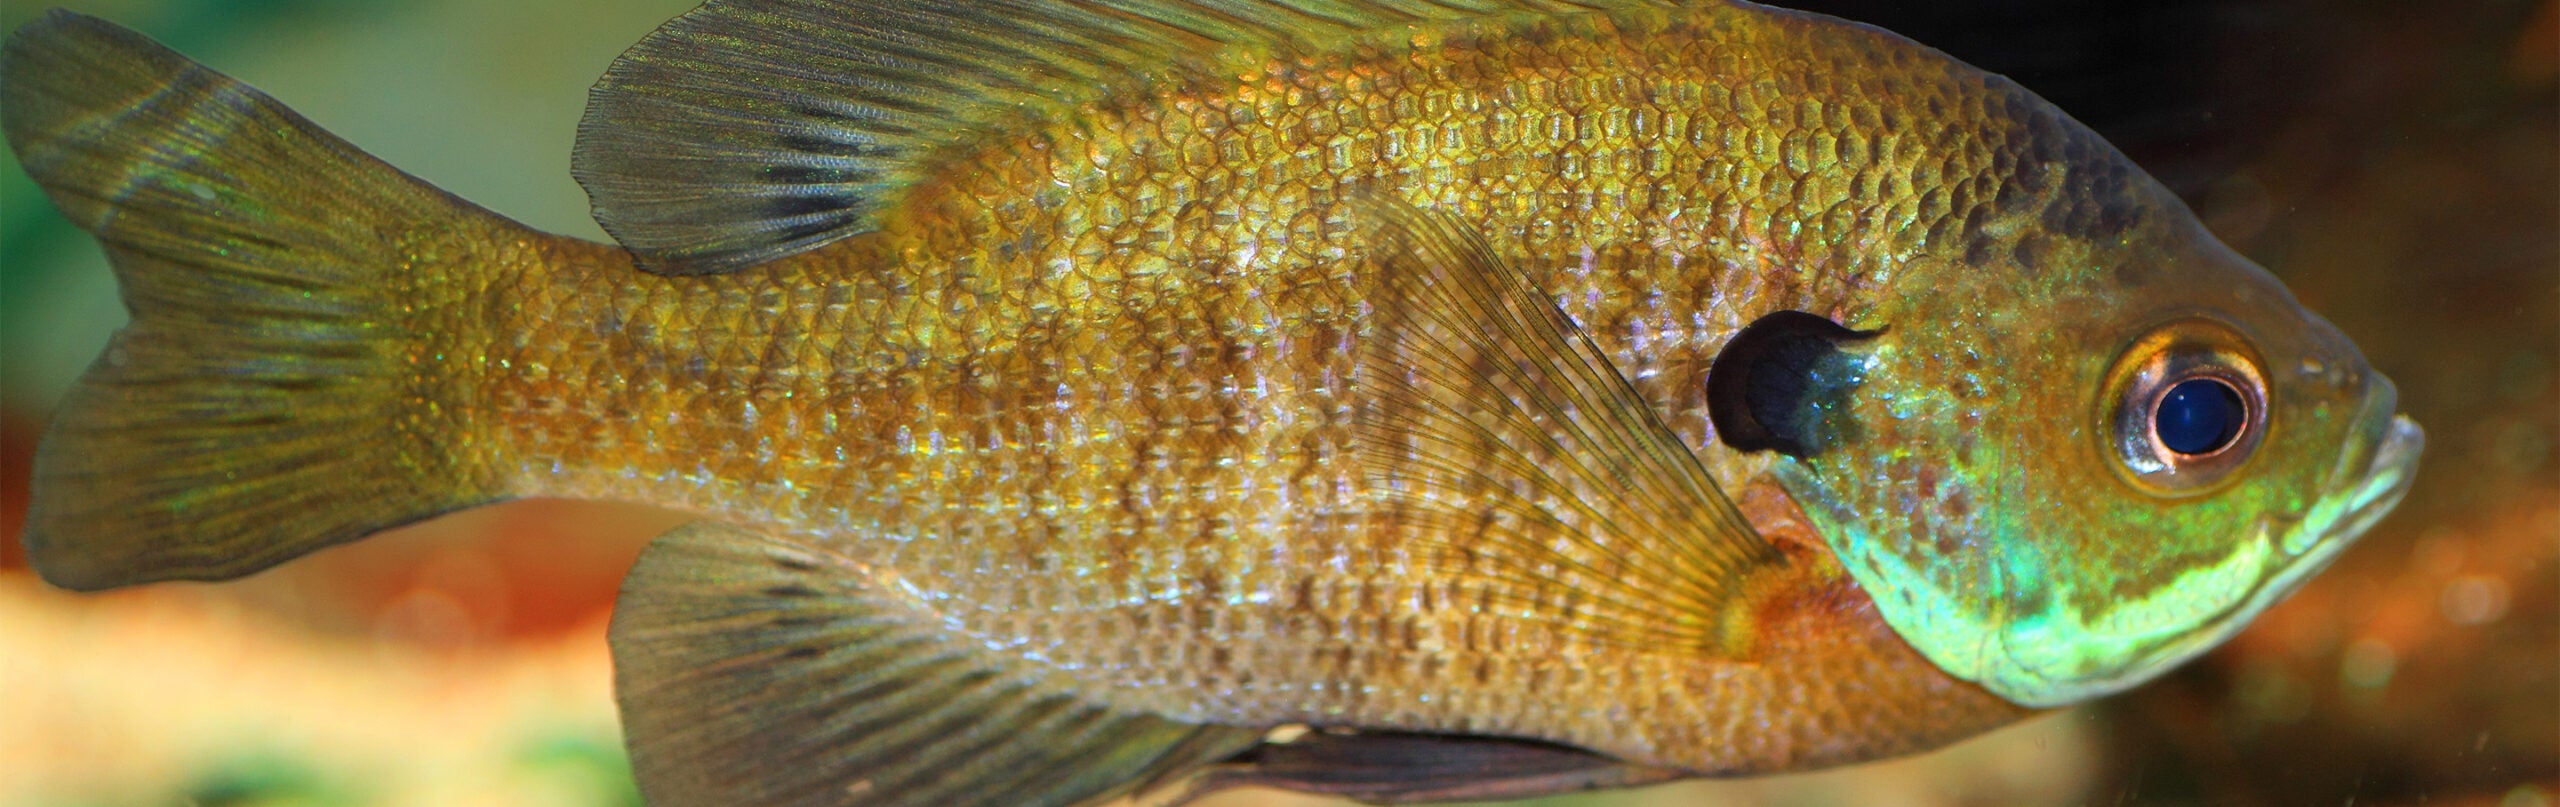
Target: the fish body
(1126, 379)
(1048, 390)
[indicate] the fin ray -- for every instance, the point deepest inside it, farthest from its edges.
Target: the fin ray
(755, 669)
(258, 406)
(749, 130)
(1495, 427)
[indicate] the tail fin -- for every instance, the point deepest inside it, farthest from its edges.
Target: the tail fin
(269, 397)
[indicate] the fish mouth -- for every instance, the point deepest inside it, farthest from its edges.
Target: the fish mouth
(2371, 477)
(2379, 488)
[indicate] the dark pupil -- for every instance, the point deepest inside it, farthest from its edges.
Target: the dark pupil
(2199, 416)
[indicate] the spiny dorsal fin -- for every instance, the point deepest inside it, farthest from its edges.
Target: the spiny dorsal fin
(757, 670)
(1496, 428)
(750, 130)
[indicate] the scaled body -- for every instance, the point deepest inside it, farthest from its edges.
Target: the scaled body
(1091, 394)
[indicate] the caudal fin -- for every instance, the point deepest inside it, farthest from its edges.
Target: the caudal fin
(268, 398)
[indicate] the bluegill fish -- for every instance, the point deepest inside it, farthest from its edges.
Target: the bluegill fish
(1527, 395)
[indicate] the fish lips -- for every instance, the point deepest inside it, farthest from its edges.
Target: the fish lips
(2371, 476)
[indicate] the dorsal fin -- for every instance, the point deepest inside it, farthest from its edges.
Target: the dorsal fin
(750, 130)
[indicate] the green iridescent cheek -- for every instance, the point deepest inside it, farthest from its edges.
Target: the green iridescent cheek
(1962, 515)
(1989, 601)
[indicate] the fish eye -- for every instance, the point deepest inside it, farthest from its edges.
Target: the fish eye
(2198, 416)
(2189, 407)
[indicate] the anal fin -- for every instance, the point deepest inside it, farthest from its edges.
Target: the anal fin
(756, 670)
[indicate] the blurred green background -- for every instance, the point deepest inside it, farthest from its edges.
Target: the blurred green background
(480, 97)
(2397, 163)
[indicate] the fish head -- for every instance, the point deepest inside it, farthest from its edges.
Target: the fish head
(2097, 445)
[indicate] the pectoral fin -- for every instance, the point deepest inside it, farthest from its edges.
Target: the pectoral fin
(1496, 429)
(756, 670)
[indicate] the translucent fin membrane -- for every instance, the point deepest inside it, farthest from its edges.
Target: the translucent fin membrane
(1501, 432)
(260, 405)
(749, 130)
(756, 670)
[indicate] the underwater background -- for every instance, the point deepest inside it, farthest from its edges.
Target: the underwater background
(2396, 163)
